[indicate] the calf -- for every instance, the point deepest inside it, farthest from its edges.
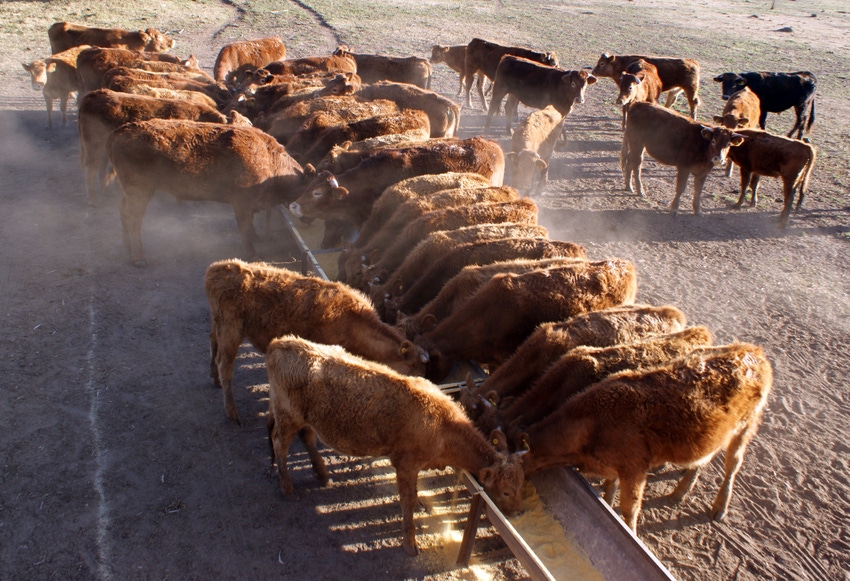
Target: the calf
(93, 64)
(483, 57)
(639, 82)
(742, 111)
(313, 64)
(103, 111)
(350, 196)
(777, 92)
(443, 113)
(681, 413)
(462, 286)
(583, 366)
(344, 156)
(675, 140)
(524, 301)
(677, 75)
(284, 124)
(64, 35)
(765, 154)
(532, 145)
(236, 165)
(454, 57)
(323, 388)
(359, 129)
(131, 83)
(535, 85)
(181, 94)
(236, 58)
(429, 283)
(601, 328)
(373, 68)
(56, 77)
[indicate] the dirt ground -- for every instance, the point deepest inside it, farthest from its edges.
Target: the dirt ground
(116, 460)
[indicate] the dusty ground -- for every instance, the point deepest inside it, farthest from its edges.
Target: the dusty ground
(116, 459)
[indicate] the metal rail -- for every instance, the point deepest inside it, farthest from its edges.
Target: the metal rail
(609, 544)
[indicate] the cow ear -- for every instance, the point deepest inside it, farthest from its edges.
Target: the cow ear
(486, 477)
(27, 67)
(339, 192)
(743, 122)
(606, 56)
(51, 67)
(429, 321)
(499, 440)
(718, 119)
(707, 134)
(510, 155)
(540, 164)
(146, 38)
(591, 79)
(718, 79)
(736, 139)
(309, 170)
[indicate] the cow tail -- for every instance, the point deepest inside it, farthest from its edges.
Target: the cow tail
(624, 152)
(454, 121)
(811, 117)
(803, 180)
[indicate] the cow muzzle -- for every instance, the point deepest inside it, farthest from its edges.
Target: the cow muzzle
(295, 208)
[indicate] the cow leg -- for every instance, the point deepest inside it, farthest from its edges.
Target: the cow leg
(800, 123)
(681, 185)
(787, 201)
(213, 355)
(609, 490)
(460, 88)
(631, 498)
(746, 173)
(733, 460)
(245, 222)
(672, 95)
(406, 477)
(308, 437)
(48, 101)
(282, 431)
(729, 167)
(495, 103)
(693, 103)
(754, 186)
(228, 338)
(762, 119)
(134, 203)
(686, 484)
(63, 106)
(479, 84)
(699, 182)
(468, 83)
(511, 106)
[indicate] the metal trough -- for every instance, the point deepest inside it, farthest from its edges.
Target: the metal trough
(595, 529)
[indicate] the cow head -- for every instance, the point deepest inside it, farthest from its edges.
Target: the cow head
(550, 58)
(730, 121)
(410, 359)
(720, 140)
(341, 84)
(438, 53)
(731, 83)
(503, 482)
(321, 197)
(525, 165)
(629, 85)
(38, 71)
(604, 66)
(573, 86)
(155, 41)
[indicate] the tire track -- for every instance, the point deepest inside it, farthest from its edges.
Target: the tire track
(328, 31)
(240, 16)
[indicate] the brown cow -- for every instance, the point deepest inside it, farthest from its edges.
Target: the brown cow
(639, 82)
(236, 58)
(284, 124)
(535, 85)
(358, 129)
(387, 234)
(765, 154)
(677, 75)
(373, 68)
(532, 145)
(483, 57)
(130, 84)
(601, 328)
(429, 283)
(93, 63)
(454, 57)
(523, 302)
(166, 93)
(259, 302)
(103, 111)
(56, 78)
(313, 64)
(344, 156)
(461, 287)
(681, 413)
(741, 111)
(236, 165)
(318, 388)
(583, 366)
(673, 139)
(64, 35)
(443, 113)
(350, 196)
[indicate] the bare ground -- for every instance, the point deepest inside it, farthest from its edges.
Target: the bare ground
(116, 459)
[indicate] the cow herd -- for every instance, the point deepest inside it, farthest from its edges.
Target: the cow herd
(443, 262)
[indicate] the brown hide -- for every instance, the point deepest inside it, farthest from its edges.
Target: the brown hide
(524, 301)
(443, 113)
(677, 75)
(344, 156)
(350, 196)
(373, 68)
(741, 111)
(64, 35)
(285, 124)
(673, 139)
(56, 77)
(360, 408)
(532, 145)
(535, 85)
(454, 57)
(601, 328)
(313, 64)
(235, 58)
(259, 302)
(639, 82)
(681, 413)
(236, 165)
(93, 63)
(765, 154)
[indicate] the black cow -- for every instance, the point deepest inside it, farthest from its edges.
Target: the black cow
(777, 92)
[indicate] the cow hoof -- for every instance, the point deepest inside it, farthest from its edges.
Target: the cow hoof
(142, 263)
(411, 551)
(737, 205)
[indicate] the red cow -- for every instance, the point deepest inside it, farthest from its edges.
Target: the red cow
(64, 35)
(236, 58)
